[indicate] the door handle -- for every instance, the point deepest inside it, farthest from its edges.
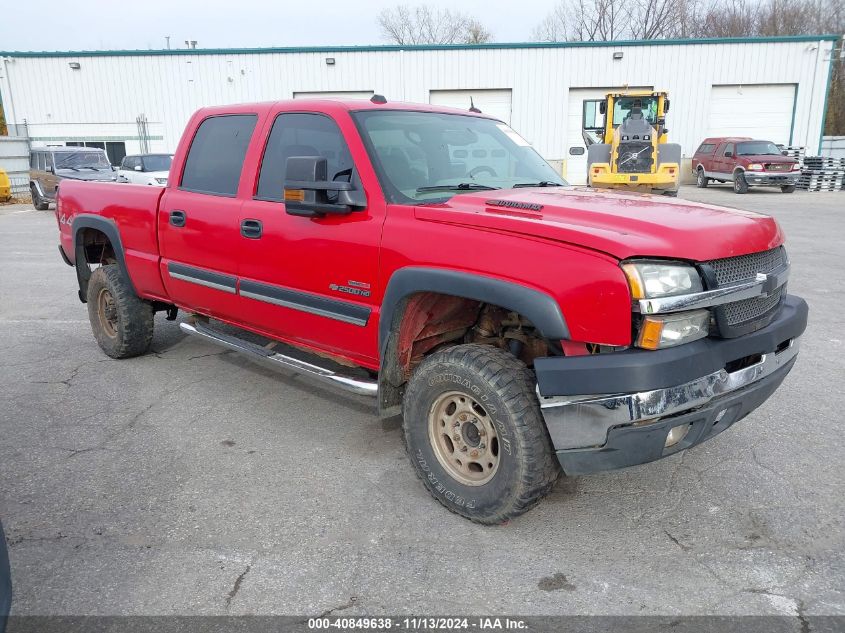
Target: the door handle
(251, 229)
(178, 217)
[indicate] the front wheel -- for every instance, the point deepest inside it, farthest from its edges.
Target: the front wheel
(37, 201)
(475, 434)
(787, 188)
(740, 183)
(701, 180)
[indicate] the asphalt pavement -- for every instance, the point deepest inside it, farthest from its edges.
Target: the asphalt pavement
(193, 481)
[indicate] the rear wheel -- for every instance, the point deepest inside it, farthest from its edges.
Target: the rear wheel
(475, 434)
(122, 323)
(701, 180)
(787, 188)
(740, 183)
(37, 201)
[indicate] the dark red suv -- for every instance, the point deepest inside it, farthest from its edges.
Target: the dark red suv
(745, 162)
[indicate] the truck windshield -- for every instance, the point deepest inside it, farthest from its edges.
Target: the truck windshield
(428, 157)
(157, 162)
(81, 160)
(758, 148)
(622, 107)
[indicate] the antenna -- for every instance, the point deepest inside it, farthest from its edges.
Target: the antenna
(472, 107)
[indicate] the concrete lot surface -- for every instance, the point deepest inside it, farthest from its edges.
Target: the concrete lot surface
(192, 481)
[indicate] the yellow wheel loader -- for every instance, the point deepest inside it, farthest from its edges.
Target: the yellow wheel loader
(627, 143)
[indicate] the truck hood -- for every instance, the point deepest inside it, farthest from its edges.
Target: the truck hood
(87, 174)
(620, 224)
(767, 158)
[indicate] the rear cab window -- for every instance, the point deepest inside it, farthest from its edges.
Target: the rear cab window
(706, 148)
(216, 156)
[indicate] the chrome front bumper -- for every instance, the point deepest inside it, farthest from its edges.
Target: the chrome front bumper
(579, 422)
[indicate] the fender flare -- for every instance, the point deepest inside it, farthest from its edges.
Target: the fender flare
(110, 230)
(536, 306)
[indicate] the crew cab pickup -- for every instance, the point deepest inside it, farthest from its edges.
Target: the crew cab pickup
(519, 325)
(745, 163)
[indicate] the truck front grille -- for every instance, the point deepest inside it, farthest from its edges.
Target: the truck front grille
(735, 269)
(746, 310)
(634, 157)
(748, 315)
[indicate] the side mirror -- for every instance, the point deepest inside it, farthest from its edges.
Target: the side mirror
(785, 153)
(309, 193)
(729, 154)
(138, 168)
(666, 104)
(603, 107)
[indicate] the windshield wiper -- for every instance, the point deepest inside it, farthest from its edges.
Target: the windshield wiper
(463, 186)
(542, 183)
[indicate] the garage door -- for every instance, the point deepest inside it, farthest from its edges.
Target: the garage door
(576, 165)
(763, 112)
(496, 103)
(334, 94)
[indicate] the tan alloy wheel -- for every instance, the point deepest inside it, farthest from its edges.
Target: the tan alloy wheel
(463, 437)
(107, 311)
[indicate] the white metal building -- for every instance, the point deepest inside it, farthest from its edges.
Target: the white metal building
(772, 88)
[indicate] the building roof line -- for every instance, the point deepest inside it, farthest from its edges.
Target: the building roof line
(422, 47)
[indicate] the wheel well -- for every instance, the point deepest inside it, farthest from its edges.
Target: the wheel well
(93, 248)
(428, 321)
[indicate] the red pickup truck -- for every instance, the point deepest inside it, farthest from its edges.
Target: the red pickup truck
(519, 325)
(745, 163)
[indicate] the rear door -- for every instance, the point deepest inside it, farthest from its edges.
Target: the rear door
(199, 232)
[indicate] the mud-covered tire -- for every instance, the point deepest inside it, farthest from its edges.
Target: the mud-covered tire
(526, 466)
(740, 183)
(787, 188)
(37, 201)
(701, 179)
(122, 323)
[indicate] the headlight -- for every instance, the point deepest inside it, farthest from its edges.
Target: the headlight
(796, 167)
(652, 280)
(755, 167)
(658, 332)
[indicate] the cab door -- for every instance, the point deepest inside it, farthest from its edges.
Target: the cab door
(198, 222)
(311, 280)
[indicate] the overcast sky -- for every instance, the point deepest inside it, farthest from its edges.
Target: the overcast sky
(143, 24)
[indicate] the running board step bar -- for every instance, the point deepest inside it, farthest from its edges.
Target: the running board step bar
(357, 386)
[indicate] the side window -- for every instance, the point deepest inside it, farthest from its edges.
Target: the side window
(296, 134)
(33, 160)
(216, 156)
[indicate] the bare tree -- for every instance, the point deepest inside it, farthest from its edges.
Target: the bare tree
(583, 21)
(653, 19)
(423, 25)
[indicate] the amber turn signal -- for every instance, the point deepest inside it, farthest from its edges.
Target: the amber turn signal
(650, 333)
(295, 195)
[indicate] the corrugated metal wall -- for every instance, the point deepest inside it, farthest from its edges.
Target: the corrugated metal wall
(107, 93)
(14, 160)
